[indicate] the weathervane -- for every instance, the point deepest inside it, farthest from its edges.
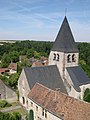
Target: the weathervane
(65, 11)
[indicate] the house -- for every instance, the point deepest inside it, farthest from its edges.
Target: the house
(47, 104)
(6, 93)
(12, 68)
(62, 72)
(3, 70)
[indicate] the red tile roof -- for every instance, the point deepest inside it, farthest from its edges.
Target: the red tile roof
(60, 104)
(13, 66)
(3, 70)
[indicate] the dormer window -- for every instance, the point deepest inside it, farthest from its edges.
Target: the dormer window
(73, 58)
(68, 58)
(54, 56)
(57, 57)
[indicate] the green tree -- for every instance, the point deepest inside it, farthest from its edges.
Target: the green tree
(14, 56)
(86, 96)
(5, 60)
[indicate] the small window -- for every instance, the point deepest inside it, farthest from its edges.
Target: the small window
(45, 113)
(23, 99)
(0, 96)
(68, 58)
(31, 104)
(57, 57)
(73, 58)
(42, 111)
(27, 102)
(54, 56)
(36, 108)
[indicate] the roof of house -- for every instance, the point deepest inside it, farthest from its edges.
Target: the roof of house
(47, 75)
(3, 70)
(64, 41)
(59, 104)
(78, 76)
(13, 66)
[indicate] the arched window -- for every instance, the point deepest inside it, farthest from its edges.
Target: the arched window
(54, 56)
(57, 57)
(31, 115)
(73, 58)
(69, 58)
(23, 99)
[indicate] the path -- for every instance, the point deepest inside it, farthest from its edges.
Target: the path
(10, 108)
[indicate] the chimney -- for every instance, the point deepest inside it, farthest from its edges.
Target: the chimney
(57, 91)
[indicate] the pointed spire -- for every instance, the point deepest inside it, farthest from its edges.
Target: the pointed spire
(64, 41)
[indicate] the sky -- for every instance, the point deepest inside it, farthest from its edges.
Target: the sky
(41, 19)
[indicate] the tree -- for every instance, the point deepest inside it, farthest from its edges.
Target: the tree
(86, 96)
(5, 60)
(14, 56)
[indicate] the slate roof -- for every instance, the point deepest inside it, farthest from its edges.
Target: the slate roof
(78, 76)
(59, 104)
(47, 75)
(64, 41)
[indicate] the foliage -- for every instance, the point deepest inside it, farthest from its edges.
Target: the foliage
(5, 60)
(12, 80)
(10, 116)
(86, 96)
(4, 103)
(24, 63)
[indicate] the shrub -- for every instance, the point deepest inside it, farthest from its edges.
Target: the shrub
(86, 96)
(4, 103)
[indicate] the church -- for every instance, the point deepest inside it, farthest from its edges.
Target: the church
(63, 72)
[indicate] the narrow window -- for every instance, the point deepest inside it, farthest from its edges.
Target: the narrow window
(54, 56)
(31, 104)
(68, 58)
(27, 102)
(42, 111)
(0, 96)
(73, 58)
(45, 113)
(23, 99)
(57, 57)
(36, 108)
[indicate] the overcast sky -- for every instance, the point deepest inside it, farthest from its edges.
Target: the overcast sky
(41, 19)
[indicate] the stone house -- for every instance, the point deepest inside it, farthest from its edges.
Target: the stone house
(12, 68)
(47, 104)
(63, 71)
(6, 93)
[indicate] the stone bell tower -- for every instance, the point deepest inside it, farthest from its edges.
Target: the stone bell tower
(64, 52)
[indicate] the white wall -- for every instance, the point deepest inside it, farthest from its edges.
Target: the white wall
(23, 87)
(39, 112)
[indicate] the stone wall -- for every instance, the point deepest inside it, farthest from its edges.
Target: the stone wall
(38, 112)
(23, 88)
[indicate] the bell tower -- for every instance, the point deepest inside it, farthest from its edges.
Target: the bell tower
(64, 52)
